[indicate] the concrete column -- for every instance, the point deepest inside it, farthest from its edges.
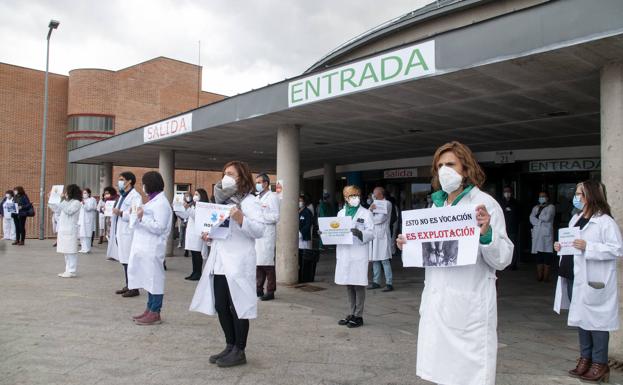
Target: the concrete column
(288, 167)
(328, 181)
(611, 161)
(106, 176)
(166, 167)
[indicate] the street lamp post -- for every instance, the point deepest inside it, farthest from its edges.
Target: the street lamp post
(53, 25)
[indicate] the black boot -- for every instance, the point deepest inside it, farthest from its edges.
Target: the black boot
(234, 358)
(268, 297)
(345, 320)
(225, 352)
(355, 322)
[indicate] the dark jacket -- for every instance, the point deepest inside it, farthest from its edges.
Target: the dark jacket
(511, 215)
(305, 223)
(24, 204)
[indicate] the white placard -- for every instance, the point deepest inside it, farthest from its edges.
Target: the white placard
(213, 219)
(108, 206)
(336, 230)
(55, 194)
(178, 202)
(380, 207)
(10, 208)
(440, 237)
(566, 236)
(134, 214)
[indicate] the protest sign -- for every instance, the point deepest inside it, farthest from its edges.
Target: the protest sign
(55, 194)
(440, 237)
(213, 219)
(566, 236)
(178, 202)
(380, 206)
(133, 214)
(108, 206)
(336, 230)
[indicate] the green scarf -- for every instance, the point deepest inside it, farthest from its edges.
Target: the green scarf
(350, 210)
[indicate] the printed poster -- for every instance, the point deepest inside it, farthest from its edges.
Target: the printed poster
(336, 230)
(213, 219)
(108, 206)
(178, 202)
(566, 236)
(56, 194)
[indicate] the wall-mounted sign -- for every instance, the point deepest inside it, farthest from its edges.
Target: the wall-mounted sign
(400, 173)
(565, 165)
(504, 157)
(168, 128)
(404, 64)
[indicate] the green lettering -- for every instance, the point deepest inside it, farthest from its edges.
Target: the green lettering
(293, 92)
(309, 85)
(413, 63)
(329, 81)
(384, 75)
(368, 73)
(344, 79)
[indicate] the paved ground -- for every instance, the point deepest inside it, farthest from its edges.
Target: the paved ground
(77, 331)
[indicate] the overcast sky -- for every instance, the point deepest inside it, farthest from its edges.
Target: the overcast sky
(244, 44)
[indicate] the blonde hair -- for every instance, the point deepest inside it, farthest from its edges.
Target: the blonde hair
(471, 169)
(351, 190)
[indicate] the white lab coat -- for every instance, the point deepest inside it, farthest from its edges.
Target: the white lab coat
(457, 337)
(149, 243)
(8, 225)
(101, 219)
(265, 246)
(192, 239)
(543, 229)
(86, 220)
(351, 265)
(381, 245)
(237, 254)
(112, 250)
(55, 217)
(123, 232)
(590, 308)
(67, 227)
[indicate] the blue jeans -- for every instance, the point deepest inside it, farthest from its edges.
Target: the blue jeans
(594, 345)
(376, 271)
(154, 302)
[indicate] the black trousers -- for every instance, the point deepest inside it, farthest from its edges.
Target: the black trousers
(20, 227)
(236, 330)
(197, 260)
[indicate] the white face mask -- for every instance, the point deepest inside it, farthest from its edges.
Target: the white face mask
(449, 179)
(196, 198)
(228, 182)
(301, 205)
(85, 196)
(8, 196)
(353, 201)
(507, 195)
(120, 184)
(15, 192)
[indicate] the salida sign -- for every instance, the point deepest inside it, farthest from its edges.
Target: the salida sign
(404, 64)
(167, 128)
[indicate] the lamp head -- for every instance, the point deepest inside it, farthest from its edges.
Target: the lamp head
(54, 24)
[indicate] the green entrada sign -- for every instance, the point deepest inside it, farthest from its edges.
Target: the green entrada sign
(404, 64)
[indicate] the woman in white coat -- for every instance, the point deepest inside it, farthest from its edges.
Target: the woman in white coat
(351, 265)
(542, 221)
(227, 286)
(594, 307)
(457, 337)
(86, 221)
(67, 229)
(192, 239)
(121, 232)
(149, 243)
(381, 245)
(7, 206)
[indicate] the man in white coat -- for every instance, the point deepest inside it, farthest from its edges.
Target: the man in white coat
(457, 337)
(542, 220)
(381, 245)
(86, 221)
(130, 198)
(351, 267)
(265, 246)
(67, 229)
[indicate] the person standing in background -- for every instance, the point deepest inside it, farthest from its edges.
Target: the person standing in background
(381, 251)
(192, 239)
(86, 220)
(6, 208)
(67, 238)
(265, 246)
(24, 210)
(542, 220)
(510, 206)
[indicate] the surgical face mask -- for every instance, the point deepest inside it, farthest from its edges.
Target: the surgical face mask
(228, 182)
(8, 196)
(259, 187)
(507, 195)
(449, 179)
(370, 200)
(85, 195)
(542, 200)
(15, 192)
(301, 205)
(577, 203)
(196, 198)
(188, 199)
(121, 184)
(353, 201)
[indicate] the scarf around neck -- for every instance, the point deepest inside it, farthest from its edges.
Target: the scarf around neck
(227, 196)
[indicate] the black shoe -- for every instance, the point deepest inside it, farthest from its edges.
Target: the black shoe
(234, 358)
(345, 320)
(186, 254)
(225, 352)
(389, 288)
(194, 277)
(260, 293)
(165, 265)
(355, 322)
(131, 293)
(268, 297)
(373, 286)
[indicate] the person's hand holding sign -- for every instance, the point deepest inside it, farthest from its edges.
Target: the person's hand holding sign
(139, 213)
(579, 244)
(357, 233)
(401, 241)
(236, 215)
(206, 237)
(484, 219)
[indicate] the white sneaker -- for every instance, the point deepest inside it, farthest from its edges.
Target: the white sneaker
(67, 275)
(82, 251)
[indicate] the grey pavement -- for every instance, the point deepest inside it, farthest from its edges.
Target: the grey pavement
(77, 331)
